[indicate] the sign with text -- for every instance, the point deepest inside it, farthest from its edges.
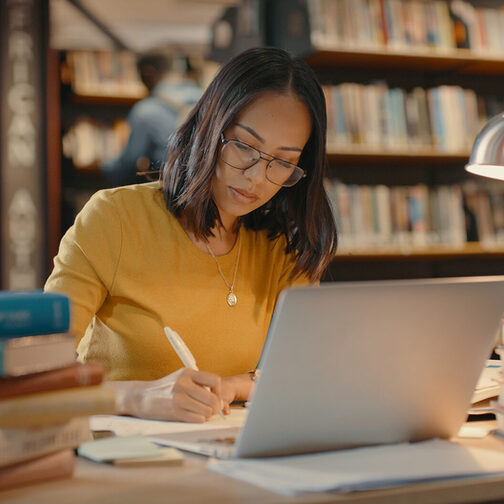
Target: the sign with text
(23, 222)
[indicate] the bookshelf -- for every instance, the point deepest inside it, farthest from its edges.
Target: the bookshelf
(427, 156)
(461, 61)
(97, 90)
(405, 44)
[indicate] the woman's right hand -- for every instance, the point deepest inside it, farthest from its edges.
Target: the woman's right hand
(183, 396)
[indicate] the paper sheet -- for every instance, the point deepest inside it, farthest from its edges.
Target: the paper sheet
(363, 468)
(488, 385)
(130, 426)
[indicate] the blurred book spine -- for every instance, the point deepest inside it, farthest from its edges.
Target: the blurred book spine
(418, 216)
(103, 73)
(56, 406)
(444, 118)
(18, 444)
(89, 143)
(33, 354)
(27, 313)
(53, 466)
(75, 375)
(400, 25)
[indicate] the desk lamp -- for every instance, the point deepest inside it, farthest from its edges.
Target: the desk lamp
(487, 156)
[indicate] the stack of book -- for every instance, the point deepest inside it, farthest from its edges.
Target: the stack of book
(498, 404)
(487, 388)
(45, 396)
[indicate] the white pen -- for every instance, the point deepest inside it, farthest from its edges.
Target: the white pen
(183, 352)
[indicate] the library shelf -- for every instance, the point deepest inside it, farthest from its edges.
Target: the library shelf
(379, 155)
(468, 250)
(458, 61)
(104, 99)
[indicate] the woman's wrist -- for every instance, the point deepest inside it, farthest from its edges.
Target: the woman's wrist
(242, 385)
(124, 396)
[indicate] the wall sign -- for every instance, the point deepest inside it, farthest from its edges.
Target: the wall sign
(23, 222)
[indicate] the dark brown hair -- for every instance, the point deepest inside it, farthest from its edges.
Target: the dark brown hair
(302, 212)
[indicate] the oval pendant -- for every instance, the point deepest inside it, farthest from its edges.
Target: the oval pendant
(231, 299)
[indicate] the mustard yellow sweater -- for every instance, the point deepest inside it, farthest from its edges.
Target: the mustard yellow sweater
(130, 269)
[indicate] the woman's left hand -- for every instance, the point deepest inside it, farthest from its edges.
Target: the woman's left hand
(235, 388)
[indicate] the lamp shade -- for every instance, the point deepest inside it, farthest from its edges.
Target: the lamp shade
(487, 156)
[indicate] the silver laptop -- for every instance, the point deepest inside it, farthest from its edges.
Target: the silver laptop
(363, 363)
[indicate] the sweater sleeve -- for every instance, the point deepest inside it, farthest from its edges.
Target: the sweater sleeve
(87, 260)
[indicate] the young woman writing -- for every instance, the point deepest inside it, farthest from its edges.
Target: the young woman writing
(239, 214)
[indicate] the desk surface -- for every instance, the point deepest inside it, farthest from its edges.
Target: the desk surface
(192, 482)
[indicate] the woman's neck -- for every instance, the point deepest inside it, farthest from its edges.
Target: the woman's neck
(220, 242)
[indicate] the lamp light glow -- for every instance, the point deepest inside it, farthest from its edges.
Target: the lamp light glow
(487, 156)
(490, 171)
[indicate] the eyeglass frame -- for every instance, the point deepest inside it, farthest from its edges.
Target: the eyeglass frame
(261, 154)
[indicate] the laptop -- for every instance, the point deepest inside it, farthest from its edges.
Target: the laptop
(363, 363)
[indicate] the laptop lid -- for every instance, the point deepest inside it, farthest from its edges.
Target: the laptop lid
(349, 364)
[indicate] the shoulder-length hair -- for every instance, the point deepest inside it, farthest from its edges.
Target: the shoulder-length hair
(301, 213)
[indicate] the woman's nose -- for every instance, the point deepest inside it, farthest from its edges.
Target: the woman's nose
(257, 171)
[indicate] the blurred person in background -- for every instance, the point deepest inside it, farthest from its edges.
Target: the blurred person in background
(152, 120)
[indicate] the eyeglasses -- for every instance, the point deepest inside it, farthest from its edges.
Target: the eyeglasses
(242, 156)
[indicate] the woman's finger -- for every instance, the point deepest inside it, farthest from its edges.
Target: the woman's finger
(184, 415)
(211, 380)
(204, 396)
(184, 401)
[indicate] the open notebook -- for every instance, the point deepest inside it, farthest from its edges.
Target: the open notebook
(364, 363)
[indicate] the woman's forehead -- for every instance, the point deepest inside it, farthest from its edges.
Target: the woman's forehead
(283, 116)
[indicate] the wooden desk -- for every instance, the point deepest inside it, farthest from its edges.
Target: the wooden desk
(193, 483)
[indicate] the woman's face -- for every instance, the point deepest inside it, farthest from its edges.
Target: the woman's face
(277, 125)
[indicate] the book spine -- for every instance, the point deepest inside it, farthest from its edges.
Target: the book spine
(54, 466)
(56, 406)
(33, 313)
(18, 444)
(32, 354)
(76, 375)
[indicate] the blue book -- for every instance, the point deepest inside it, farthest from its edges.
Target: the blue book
(30, 313)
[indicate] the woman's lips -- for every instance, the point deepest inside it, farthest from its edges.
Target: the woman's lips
(243, 196)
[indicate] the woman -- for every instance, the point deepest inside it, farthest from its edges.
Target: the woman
(240, 214)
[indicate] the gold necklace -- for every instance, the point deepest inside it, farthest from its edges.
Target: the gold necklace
(231, 296)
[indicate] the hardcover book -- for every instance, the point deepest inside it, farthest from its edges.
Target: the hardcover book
(19, 444)
(75, 375)
(29, 313)
(56, 465)
(56, 406)
(33, 354)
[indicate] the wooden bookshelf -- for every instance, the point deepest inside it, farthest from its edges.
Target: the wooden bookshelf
(104, 99)
(469, 250)
(404, 67)
(458, 61)
(364, 154)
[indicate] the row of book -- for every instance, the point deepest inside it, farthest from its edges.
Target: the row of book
(103, 73)
(402, 24)
(45, 396)
(445, 117)
(89, 143)
(378, 216)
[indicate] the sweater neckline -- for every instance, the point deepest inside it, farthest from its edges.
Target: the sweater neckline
(191, 246)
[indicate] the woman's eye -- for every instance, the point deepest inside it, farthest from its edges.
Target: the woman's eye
(243, 147)
(285, 164)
